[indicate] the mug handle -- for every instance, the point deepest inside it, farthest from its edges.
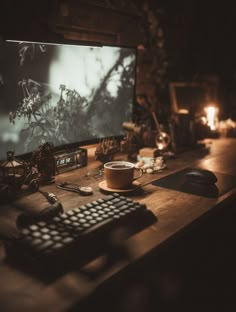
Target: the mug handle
(141, 173)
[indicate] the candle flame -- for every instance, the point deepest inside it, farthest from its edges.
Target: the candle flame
(211, 113)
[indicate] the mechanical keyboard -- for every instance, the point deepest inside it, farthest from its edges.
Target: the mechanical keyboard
(80, 233)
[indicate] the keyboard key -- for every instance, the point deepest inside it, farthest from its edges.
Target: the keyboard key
(63, 216)
(53, 233)
(33, 227)
(36, 241)
(41, 223)
(100, 200)
(57, 238)
(44, 230)
(56, 219)
(92, 221)
(52, 226)
(80, 215)
(37, 234)
(46, 237)
(57, 246)
(74, 218)
(70, 213)
(67, 240)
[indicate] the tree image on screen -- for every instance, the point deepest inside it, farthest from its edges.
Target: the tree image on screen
(63, 94)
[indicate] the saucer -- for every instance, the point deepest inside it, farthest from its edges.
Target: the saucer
(103, 186)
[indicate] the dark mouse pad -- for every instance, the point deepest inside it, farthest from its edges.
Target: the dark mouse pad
(178, 182)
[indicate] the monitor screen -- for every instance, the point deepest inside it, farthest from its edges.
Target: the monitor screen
(63, 93)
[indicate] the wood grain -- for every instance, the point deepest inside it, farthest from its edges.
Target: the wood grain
(176, 213)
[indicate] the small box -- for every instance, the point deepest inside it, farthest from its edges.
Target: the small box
(148, 152)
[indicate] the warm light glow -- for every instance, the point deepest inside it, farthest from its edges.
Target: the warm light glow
(211, 115)
(162, 141)
(183, 111)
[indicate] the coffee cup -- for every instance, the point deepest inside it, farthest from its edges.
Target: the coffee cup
(120, 175)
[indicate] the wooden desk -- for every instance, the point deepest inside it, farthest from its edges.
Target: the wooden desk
(177, 212)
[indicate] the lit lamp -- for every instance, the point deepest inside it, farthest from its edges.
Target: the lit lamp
(12, 170)
(212, 116)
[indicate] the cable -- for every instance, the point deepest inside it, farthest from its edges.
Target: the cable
(73, 187)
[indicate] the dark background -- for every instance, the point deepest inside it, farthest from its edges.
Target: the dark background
(199, 35)
(202, 41)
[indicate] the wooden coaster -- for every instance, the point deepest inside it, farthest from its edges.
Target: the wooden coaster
(103, 186)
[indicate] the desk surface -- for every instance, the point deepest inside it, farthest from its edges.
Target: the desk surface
(176, 212)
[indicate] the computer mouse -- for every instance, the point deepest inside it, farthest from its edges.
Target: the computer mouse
(201, 176)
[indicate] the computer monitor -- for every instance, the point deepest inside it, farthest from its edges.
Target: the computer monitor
(67, 94)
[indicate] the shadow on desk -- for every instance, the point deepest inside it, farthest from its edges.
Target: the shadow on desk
(46, 273)
(194, 273)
